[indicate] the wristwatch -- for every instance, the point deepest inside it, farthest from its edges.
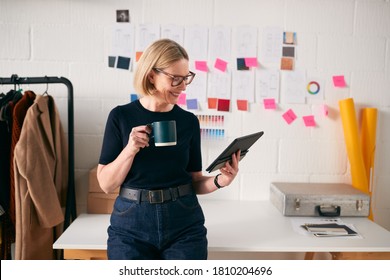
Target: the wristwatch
(216, 182)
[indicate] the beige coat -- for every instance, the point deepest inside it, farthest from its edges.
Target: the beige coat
(41, 174)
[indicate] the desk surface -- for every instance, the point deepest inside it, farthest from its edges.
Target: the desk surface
(242, 226)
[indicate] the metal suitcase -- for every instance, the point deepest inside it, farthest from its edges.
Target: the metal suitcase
(319, 199)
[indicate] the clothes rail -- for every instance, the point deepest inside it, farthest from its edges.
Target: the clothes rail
(70, 210)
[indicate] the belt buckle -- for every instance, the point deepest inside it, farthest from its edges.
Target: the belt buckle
(152, 196)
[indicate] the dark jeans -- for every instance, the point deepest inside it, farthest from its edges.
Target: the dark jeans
(173, 230)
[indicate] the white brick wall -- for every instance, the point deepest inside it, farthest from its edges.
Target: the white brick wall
(17, 35)
(320, 17)
(71, 38)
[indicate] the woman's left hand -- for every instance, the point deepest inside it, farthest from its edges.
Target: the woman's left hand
(230, 170)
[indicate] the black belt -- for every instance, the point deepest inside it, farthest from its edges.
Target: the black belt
(155, 196)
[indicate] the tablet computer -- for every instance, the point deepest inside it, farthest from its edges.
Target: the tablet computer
(242, 143)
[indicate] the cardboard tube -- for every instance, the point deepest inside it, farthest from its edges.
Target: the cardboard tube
(354, 150)
(368, 145)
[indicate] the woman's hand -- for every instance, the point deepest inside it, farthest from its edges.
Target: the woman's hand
(205, 184)
(138, 138)
(230, 170)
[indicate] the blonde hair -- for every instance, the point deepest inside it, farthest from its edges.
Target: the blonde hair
(160, 54)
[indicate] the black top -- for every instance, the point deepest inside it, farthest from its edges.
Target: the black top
(154, 167)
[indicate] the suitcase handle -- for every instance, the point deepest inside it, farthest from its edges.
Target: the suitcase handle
(328, 210)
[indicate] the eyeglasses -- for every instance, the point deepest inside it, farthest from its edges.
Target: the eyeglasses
(177, 80)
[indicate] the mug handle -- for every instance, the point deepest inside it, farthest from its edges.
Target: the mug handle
(150, 125)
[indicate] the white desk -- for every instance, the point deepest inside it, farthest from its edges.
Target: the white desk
(237, 226)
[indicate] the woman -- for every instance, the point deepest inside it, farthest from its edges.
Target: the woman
(162, 219)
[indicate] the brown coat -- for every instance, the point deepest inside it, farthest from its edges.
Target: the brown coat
(41, 173)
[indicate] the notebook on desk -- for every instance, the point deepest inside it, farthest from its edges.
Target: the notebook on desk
(329, 229)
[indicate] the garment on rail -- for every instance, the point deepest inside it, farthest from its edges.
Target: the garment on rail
(7, 103)
(34, 173)
(41, 178)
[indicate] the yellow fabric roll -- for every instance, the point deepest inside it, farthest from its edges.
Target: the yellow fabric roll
(352, 141)
(368, 141)
(368, 144)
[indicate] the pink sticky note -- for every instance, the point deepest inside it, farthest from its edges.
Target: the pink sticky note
(269, 103)
(324, 109)
(339, 81)
(251, 61)
(220, 64)
(289, 116)
(201, 66)
(182, 99)
(309, 120)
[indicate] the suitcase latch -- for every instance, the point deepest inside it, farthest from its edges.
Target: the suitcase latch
(297, 204)
(359, 205)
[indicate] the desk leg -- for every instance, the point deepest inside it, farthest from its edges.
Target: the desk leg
(74, 254)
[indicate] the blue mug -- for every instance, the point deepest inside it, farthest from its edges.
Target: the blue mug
(164, 133)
